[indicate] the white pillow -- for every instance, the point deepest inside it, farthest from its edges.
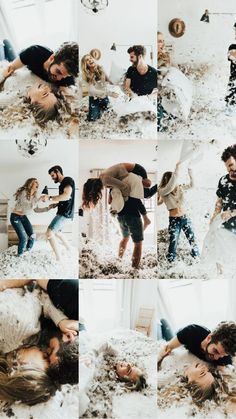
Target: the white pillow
(116, 73)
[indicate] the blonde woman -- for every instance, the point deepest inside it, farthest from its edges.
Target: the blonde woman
(96, 82)
(26, 200)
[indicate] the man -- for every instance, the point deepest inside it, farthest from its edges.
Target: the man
(65, 208)
(226, 192)
(131, 225)
(59, 68)
(141, 78)
(217, 347)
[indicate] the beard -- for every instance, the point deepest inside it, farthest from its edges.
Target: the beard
(209, 357)
(50, 75)
(56, 180)
(232, 174)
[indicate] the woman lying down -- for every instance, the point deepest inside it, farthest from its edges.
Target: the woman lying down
(37, 355)
(106, 366)
(27, 94)
(197, 381)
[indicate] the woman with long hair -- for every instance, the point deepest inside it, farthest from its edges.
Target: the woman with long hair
(36, 357)
(96, 82)
(171, 193)
(26, 200)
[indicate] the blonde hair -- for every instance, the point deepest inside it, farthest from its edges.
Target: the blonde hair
(27, 188)
(25, 384)
(163, 57)
(91, 77)
(218, 391)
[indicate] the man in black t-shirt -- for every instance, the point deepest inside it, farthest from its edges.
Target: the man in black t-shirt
(141, 78)
(226, 191)
(131, 225)
(59, 68)
(65, 207)
(217, 347)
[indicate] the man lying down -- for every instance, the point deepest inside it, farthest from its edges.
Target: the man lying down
(210, 376)
(38, 339)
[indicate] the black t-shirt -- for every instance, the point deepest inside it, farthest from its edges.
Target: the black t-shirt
(192, 336)
(66, 208)
(227, 192)
(34, 57)
(232, 63)
(131, 207)
(142, 84)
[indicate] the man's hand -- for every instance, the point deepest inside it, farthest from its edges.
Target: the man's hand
(8, 71)
(69, 327)
(164, 353)
(226, 215)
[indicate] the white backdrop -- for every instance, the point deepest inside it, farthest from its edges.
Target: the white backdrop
(202, 42)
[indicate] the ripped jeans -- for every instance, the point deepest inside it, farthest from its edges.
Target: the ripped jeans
(24, 231)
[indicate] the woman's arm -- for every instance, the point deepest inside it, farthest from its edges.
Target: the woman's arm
(191, 181)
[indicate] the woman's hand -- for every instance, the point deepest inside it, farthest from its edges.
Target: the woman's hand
(8, 71)
(69, 327)
(177, 165)
(51, 206)
(114, 95)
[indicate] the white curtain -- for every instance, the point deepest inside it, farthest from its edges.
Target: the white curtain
(132, 295)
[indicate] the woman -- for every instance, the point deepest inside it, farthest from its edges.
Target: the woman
(43, 101)
(26, 200)
(198, 380)
(172, 195)
(96, 82)
(131, 374)
(28, 372)
(113, 177)
(163, 63)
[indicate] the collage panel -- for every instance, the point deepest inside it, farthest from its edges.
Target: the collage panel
(196, 69)
(118, 70)
(196, 348)
(196, 209)
(39, 216)
(39, 94)
(39, 348)
(118, 348)
(117, 199)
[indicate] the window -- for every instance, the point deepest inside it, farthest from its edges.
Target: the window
(46, 22)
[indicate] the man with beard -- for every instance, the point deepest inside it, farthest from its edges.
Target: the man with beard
(226, 192)
(59, 67)
(217, 347)
(141, 78)
(65, 208)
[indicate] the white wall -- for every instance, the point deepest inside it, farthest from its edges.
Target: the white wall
(202, 42)
(123, 22)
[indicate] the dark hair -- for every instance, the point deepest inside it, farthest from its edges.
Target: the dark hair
(92, 192)
(229, 152)
(68, 54)
(55, 169)
(67, 369)
(137, 49)
(138, 385)
(225, 333)
(165, 179)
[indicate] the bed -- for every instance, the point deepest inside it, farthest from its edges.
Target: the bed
(108, 397)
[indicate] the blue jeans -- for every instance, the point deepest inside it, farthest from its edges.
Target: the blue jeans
(164, 330)
(176, 224)
(24, 231)
(58, 222)
(96, 106)
(7, 51)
